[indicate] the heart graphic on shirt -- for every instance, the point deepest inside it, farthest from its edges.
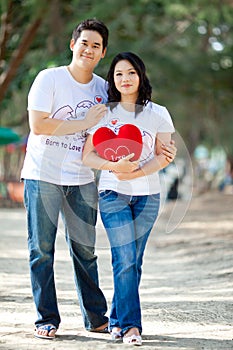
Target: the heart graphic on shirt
(113, 146)
(114, 121)
(98, 99)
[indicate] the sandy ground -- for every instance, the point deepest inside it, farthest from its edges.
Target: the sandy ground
(186, 290)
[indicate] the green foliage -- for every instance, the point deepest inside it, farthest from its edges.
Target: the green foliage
(186, 46)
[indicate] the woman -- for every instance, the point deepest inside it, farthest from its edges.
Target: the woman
(129, 190)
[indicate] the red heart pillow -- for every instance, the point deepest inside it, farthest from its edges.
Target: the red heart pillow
(114, 147)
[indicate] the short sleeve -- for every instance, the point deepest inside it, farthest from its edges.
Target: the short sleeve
(166, 123)
(40, 97)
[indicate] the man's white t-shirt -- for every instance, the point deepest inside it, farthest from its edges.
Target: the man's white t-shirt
(58, 159)
(152, 120)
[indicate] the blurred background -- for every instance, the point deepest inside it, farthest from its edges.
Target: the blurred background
(187, 49)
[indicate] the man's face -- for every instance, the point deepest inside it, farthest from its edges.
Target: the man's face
(88, 49)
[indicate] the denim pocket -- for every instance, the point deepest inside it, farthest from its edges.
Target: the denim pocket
(155, 197)
(104, 194)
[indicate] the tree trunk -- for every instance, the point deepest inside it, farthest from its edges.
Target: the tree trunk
(5, 30)
(18, 55)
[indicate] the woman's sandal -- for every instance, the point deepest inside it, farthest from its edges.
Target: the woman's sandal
(47, 328)
(116, 335)
(133, 340)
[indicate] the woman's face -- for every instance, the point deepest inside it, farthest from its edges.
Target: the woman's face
(126, 79)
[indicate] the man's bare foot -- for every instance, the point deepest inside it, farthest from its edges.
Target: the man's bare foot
(101, 329)
(47, 331)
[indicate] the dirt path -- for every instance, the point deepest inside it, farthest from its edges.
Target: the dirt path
(186, 290)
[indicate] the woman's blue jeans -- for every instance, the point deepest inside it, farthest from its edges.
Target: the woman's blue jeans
(128, 221)
(78, 207)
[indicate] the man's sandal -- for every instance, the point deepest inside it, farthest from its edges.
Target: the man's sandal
(46, 329)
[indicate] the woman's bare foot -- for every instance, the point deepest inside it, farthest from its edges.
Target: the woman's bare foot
(132, 331)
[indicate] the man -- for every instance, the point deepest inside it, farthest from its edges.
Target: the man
(57, 182)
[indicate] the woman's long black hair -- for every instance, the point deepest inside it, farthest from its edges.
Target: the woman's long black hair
(144, 90)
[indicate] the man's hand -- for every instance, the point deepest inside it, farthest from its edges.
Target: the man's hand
(95, 114)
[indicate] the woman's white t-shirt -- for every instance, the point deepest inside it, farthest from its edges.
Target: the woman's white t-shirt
(58, 159)
(152, 120)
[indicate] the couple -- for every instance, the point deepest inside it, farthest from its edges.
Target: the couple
(66, 106)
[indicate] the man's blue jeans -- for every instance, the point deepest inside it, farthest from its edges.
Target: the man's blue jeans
(77, 205)
(128, 221)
